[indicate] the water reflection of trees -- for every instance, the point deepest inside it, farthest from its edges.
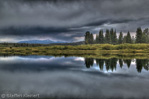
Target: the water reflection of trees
(89, 62)
(111, 64)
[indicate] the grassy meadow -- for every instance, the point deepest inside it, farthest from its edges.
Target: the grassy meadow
(90, 50)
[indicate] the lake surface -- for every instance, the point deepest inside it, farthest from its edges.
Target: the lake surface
(74, 77)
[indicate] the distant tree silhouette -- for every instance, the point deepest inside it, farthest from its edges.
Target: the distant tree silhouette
(111, 37)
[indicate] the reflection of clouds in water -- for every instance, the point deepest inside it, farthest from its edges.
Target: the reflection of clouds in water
(133, 62)
(28, 59)
(79, 59)
(125, 69)
(97, 68)
(10, 58)
(131, 70)
(74, 84)
(67, 63)
(39, 63)
(32, 59)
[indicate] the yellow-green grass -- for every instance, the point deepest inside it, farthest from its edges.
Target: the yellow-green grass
(141, 50)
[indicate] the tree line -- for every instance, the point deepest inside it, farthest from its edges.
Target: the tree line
(110, 37)
(20, 45)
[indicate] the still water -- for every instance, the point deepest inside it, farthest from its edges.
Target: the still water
(75, 77)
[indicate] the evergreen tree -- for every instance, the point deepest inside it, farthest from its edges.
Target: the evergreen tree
(139, 35)
(114, 38)
(120, 40)
(87, 35)
(107, 36)
(111, 36)
(101, 37)
(89, 38)
(128, 38)
(145, 36)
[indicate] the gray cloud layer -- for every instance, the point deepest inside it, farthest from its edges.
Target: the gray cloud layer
(70, 17)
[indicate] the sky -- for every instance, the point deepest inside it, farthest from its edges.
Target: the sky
(68, 20)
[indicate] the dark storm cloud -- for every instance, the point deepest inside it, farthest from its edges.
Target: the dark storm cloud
(109, 21)
(33, 31)
(61, 34)
(56, 17)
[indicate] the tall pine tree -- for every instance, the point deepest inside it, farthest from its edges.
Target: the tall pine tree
(107, 36)
(87, 35)
(89, 38)
(145, 36)
(111, 36)
(120, 40)
(101, 37)
(114, 38)
(139, 35)
(128, 38)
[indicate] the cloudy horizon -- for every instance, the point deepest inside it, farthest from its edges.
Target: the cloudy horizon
(68, 20)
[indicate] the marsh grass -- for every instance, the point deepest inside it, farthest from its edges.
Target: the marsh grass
(90, 49)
